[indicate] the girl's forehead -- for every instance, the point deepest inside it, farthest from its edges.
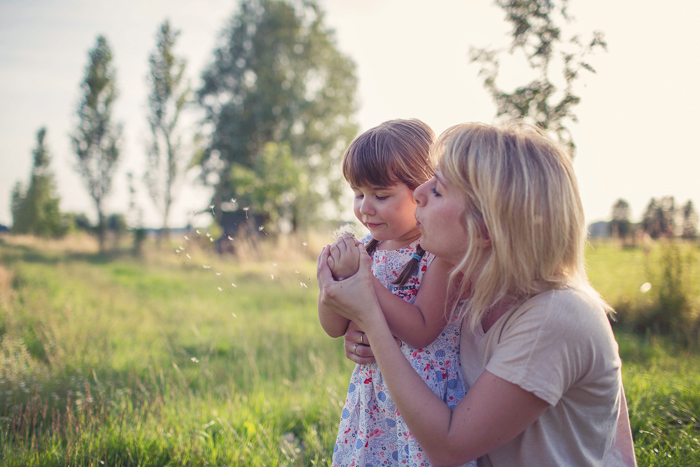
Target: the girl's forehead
(375, 187)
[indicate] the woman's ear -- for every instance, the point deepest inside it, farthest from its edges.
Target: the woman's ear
(485, 237)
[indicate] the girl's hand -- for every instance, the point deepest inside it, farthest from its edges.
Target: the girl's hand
(344, 259)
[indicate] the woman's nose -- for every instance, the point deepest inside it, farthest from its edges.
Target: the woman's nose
(419, 194)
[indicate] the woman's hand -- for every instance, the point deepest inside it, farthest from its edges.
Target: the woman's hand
(354, 297)
(357, 347)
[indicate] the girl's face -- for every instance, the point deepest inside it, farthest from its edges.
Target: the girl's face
(388, 213)
(439, 214)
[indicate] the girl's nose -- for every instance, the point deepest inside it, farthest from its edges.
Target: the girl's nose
(366, 206)
(419, 194)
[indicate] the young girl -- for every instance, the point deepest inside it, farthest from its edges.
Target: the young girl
(383, 166)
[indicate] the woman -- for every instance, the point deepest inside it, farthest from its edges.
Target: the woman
(537, 351)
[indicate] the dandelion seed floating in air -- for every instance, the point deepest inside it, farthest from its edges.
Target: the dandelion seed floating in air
(246, 212)
(194, 359)
(646, 287)
(304, 243)
(220, 289)
(234, 315)
(211, 239)
(218, 273)
(296, 272)
(303, 285)
(187, 238)
(233, 284)
(272, 277)
(188, 255)
(206, 267)
(212, 210)
(262, 229)
(229, 237)
(197, 232)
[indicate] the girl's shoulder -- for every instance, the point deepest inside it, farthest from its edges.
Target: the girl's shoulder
(365, 239)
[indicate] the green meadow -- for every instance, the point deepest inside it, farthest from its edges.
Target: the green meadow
(207, 360)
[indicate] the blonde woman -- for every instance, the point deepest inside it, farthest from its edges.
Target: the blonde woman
(537, 351)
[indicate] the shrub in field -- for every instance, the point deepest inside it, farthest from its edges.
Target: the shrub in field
(673, 308)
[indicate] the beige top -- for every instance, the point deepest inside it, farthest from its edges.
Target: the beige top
(558, 345)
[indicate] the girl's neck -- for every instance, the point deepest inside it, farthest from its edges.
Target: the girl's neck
(399, 242)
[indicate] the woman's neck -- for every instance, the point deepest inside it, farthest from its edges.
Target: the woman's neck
(495, 312)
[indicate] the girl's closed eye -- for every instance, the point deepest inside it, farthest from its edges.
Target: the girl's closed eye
(434, 190)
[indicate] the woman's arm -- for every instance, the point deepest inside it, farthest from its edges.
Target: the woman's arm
(493, 411)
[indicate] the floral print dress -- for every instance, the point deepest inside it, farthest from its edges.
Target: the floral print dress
(372, 432)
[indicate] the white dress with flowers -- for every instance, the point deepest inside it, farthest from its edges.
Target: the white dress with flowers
(372, 432)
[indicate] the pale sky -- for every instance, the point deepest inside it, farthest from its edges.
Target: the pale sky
(637, 117)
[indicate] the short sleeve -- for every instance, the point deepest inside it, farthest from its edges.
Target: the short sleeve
(555, 341)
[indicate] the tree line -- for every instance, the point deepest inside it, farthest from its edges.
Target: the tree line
(662, 218)
(278, 100)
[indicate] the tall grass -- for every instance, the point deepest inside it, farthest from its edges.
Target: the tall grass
(124, 362)
(112, 360)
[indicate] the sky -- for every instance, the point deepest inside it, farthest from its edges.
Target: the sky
(637, 117)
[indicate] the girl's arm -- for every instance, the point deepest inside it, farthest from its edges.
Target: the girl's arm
(343, 262)
(420, 323)
(334, 324)
(417, 324)
(493, 412)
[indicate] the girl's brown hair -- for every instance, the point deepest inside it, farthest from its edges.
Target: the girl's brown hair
(397, 151)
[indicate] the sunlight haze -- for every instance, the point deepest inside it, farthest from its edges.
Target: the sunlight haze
(637, 118)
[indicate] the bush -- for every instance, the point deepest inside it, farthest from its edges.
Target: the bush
(672, 309)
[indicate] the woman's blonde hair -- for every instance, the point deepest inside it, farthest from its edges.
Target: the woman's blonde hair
(521, 194)
(396, 151)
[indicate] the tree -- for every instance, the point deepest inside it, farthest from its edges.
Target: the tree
(621, 219)
(690, 221)
(278, 78)
(168, 96)
(96, 139)
(545, 101)
(36, 211)
(659, 219)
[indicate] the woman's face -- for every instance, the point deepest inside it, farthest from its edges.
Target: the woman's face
(439, 212)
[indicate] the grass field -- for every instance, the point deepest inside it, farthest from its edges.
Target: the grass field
(110, 360)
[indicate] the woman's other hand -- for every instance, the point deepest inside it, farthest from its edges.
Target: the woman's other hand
(357, 346)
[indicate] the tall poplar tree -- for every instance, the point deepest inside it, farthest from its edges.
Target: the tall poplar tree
(97, 138)
(36, 211)
(168, 96)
